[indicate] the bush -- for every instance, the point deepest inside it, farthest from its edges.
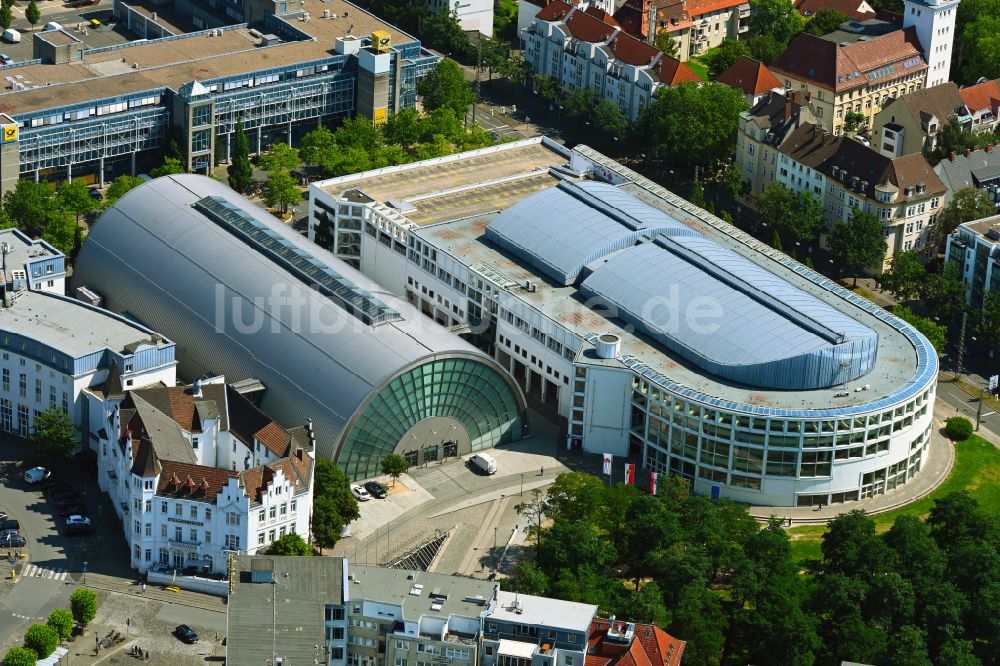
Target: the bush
(42, 639)
(957, 428)
(19, 656)
(61, 619)
(83, 603)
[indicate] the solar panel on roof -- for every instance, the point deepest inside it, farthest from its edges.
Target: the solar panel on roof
(349, 296)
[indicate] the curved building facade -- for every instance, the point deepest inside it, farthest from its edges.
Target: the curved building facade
(653, 327)
(246, 296)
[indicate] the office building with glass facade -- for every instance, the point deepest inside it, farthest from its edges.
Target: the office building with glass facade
(248, 297)
(644, 324)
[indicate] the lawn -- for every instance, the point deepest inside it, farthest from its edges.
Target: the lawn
(698, 63)
(976, 470)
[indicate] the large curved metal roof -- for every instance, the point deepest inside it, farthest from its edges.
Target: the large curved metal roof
(561, 229)
(244, 295)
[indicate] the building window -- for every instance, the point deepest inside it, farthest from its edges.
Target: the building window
(148, 531)
(194, 443)
(270, 536)
(208, 514)
(208, 537)
(260, 538)
(232, 518)
(138, 527)
(6, 379)
(232, 542)
(163, 507)
(194, 511)
(193, 534)
(22, 384)
(260, 516)
(294, 503)
(272, 512)
(284, 509)
(38, 390)
(148, 555)
(163, 531)
(164, 556)
(179, 509)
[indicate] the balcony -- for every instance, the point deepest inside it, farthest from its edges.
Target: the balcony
(543, 645)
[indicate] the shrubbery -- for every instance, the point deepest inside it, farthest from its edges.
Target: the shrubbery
(41, 639)
(957, 428)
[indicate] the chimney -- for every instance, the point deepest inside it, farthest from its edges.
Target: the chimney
(196, 388)
(788, 110)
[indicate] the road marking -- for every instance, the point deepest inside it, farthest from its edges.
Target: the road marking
(35, 571)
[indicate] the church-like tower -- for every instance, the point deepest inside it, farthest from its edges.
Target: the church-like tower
(934, 21)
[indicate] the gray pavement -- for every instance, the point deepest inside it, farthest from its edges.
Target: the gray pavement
(104, 35)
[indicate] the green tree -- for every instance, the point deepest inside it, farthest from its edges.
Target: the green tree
(694, 124)
(75, 198)
(119, 187)
(53, 435)
(776, 18)
(608, 116)
(395, 466)
(957, 428)
(851, 546)
(859, 243)
(445, 86)
(171, 165)
(290, 544)
(534, 511)
(952, 138)
(333, 504)
(61, 619)
(852, 121)
(492, 53)
(442, 31)
(698, 617)
(281, 190)
(646, 605)
(697, 194)
(547, 87)
(824, 22)
(6, 17)
(765, 48)
(988, 326)
(403, 128)
(934, 332)
(776, 241)
(723, 58)
(240, 170)
(526, 578)
(945, 293)
(281, 157)
(576, 496)
(579, 104)
(33, 207)
(909, 648)
(981, 48)
(34, 15)
(966, 205)
(175, 147)
(906, 276)
(664, 42)
(41, 639)
(317, 147)
(20, 656)
(83, 604)
(797, 214)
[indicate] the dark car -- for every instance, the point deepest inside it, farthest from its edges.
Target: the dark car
(13, 541)
(10, 525)
(186, 634)
(78, 529)
(66, 500)
(376, 489)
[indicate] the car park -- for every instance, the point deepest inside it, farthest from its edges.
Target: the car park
(36, 475)
(360, 493)
(186, 634)
(376, 489)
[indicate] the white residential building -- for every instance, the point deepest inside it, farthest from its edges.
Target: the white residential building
(197, 472)
(934, 21)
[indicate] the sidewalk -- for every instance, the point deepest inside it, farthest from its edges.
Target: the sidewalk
(935, 469)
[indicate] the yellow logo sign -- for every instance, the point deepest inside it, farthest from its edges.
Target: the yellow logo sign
(380, 116)
(10, 133)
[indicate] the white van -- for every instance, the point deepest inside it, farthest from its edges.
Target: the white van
(11, 36)
(486, 463)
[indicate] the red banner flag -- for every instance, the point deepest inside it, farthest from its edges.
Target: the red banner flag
(608, 460)
(652, 483)
(629, 474)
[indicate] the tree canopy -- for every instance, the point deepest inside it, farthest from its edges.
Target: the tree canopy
(859, 243)
(83, 604)
(906, 277)
(795, 214)
(723, 58)
(290, 544)
(395, 466)
(53, 435)
(694, 125)
(281, 190)
(824, 22)
(119, 187)
(934, 332)
(240, 170)
(280, 157)
(775, 18)
(445, 87)
(765, 48)
(333, 504)
(664, 42)
(20, 656)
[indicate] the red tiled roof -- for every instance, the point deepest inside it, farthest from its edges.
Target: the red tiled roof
(173, 472)
(750, 76)
(852, 9)
(602, 16)
(554, 11)
(699, 7)
(630, 19)
(830, 65)
(633, 51)
(982, 96)
(673, 72)
(651, 646)
(586, 28)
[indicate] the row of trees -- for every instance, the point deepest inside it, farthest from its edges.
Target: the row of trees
(32, 13)
(977, 40)
(41, 640)
(924, 592)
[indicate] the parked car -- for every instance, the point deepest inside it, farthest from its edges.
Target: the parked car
(5, 533)
(13, 541)
(36, 475)
(77, 519)
(376, 489)
(186, 634)
(5, 59)
(72, 509)
(10, 525)
(360, 493)
(79, 529)
(484, 463)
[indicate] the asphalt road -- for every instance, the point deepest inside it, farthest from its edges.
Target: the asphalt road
(966, 405)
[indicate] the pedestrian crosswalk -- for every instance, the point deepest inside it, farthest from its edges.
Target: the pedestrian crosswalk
(35, 571)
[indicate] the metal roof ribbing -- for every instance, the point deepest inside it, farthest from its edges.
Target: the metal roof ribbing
(561, 229)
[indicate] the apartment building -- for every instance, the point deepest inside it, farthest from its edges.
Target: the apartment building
(973, 168)
(581, 50)
(856, 70)
(696, 25)
(197, 472)
(751, 77)
(356, 615)
(761, 130)
(903, 192)
(913, 122)
(975, 249)
(983, 102)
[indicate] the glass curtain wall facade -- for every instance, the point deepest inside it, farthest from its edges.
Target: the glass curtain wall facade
(464, 389)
